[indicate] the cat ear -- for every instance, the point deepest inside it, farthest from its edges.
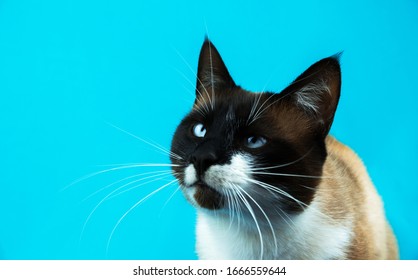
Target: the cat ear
(316, 92)
(212, 72)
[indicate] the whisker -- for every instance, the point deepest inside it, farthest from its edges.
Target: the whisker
(155, 145)
(306, 187)
(248, 206)
(133, 164)
(206, 107)
(88, 176)
(193, 94)
(253, 108)
(288, 221)
(190, 92)
(227, 193)
(191, 69)
(233, 207)
(133, 207)
(260, 110)
(271, 76)
(278, 190)
(169, 199)
(110, 194)
(265, 215)
(202, 110)
(286, 194)
(291, 175)
(162, 177)
(124, 179)
(238, 207)
(285, 164)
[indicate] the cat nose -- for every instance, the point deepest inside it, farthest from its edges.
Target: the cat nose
(202, 161)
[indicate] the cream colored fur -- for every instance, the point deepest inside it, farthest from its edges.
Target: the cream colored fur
(345, 220)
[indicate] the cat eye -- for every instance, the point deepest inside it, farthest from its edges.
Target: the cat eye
(199, 130)
(254, 142)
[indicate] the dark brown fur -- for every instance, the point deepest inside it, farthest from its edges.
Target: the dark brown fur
(313, 167)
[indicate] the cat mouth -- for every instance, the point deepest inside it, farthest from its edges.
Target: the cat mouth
(207, 197)
(200, 184)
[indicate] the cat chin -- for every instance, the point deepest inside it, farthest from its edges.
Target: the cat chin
(201, 195)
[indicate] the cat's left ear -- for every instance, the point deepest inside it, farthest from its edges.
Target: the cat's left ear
(212, 72)
(316, 93)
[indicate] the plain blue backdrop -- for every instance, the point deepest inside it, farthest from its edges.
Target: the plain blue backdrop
(70, 71)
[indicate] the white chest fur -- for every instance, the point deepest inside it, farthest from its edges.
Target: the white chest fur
(310, 235)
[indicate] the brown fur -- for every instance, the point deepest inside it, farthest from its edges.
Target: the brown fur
(295, 123)
(347, 194)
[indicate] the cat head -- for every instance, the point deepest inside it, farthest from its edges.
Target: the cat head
(254, 152)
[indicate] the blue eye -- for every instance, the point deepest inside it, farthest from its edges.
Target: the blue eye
(199, 130)
(254, 142)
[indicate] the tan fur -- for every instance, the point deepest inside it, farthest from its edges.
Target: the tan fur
(347, 195)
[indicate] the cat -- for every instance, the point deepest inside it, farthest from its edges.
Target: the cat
(267, 180)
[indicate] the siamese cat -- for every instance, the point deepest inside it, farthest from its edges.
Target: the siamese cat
(267, 180)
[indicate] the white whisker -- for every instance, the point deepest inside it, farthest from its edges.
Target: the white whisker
(284, 164)
(248, 206)
(289, 221)
(286, 194)
(133, 207)
(110, 195)
(238, 207)
(193, 72)
(203, 101)
(253, 108)
(118, 168)
(265, 216)
(278, 190)
(306, 187)
(162, 177)
(157, 146)
(291, 175)
(124, 179)
(169, 199)
(260, 110)
(227, 193)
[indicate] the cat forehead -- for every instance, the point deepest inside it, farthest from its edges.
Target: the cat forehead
(231, 103)
(266, 113)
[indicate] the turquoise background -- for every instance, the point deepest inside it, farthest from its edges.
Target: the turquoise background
(70, 71)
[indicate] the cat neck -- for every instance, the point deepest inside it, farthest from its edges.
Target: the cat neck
(308, 235)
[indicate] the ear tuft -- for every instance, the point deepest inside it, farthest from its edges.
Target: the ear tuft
(310, 96)
(316, 92)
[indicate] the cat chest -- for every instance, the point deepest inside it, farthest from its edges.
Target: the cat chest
(307, 238)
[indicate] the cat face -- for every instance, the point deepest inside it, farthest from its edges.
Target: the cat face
(254, 153)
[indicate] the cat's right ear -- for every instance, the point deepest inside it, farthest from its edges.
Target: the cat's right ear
(316, 92)
(212, 73)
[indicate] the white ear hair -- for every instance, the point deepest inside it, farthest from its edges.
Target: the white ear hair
(311, 95)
